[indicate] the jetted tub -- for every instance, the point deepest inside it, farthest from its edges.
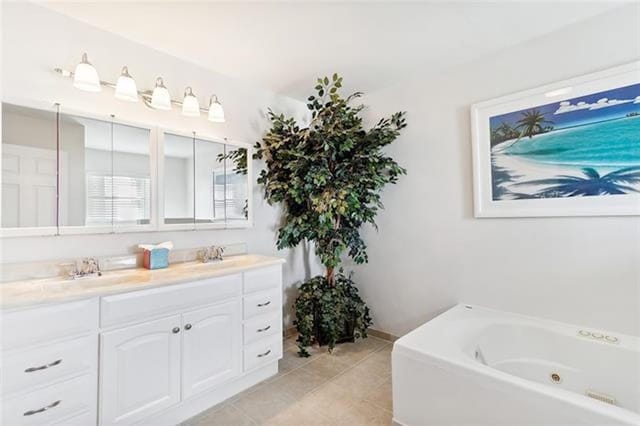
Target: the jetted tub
(476, 366)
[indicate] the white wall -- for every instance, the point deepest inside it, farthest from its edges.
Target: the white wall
(35, 40)
(430, 253)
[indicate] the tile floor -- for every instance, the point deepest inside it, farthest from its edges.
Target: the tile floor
(352, 386)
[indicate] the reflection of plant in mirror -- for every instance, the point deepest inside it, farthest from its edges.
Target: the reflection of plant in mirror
(328, 177)
(239, 159)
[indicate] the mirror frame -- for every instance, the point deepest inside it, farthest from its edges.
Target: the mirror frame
(156, 163)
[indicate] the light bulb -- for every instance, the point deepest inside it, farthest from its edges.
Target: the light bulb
(86, 77)
(160, 99)
(190, 104)
(126, 89)
(216, 112)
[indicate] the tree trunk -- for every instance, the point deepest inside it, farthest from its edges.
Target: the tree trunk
(331, 277)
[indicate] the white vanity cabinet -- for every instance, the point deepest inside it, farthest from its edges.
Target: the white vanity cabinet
(153, 356)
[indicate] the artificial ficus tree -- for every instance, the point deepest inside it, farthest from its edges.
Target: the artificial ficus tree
(328, 177)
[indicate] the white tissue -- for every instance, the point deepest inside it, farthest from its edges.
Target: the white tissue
(166, 244)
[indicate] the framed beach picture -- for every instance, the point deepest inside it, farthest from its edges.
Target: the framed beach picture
(571, 148)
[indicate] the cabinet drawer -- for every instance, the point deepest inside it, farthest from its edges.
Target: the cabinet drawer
(262, 352)
(84, 418)
(260, 279)
(38, 325)
(262, 327)
(31, 367)
(263, 302)
(139, 305)
(51, 404)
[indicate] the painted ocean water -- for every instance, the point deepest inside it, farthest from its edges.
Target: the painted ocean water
(609, 143)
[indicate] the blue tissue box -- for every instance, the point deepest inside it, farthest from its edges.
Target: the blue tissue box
(156, 259)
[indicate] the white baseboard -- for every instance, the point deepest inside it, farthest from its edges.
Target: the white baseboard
(199, 403)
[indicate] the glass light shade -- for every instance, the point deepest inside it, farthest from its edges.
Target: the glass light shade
(126, 89)
(86, 77)
(160, 99)
(216, 112)
(190, 104)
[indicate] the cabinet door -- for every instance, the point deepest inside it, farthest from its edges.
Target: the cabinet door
(212, 347)
(139, 370)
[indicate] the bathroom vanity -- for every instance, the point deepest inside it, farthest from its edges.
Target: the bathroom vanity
(139, 346)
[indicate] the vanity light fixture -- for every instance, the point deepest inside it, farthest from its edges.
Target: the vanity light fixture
(126, 89)
(160, 98)
(216, 112)
(190, 104)
(86, 77)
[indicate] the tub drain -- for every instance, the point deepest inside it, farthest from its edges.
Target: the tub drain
(555, 378)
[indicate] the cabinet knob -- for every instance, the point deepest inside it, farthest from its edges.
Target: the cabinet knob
(187, 327)
(176, 330)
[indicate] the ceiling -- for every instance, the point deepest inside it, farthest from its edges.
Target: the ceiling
(285, 46)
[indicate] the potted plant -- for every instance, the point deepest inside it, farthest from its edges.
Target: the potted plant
(328, 177)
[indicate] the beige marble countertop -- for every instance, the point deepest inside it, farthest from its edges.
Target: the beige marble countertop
(26, 293)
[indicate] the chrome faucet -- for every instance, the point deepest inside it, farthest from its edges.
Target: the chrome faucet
(89, 267)
(212, 254)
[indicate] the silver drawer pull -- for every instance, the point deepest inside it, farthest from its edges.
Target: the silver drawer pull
(260, 305)
(43, 367)
(264, 354)
(260, 330)
(43, 409)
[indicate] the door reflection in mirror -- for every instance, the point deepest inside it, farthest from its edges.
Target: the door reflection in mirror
(29, 167)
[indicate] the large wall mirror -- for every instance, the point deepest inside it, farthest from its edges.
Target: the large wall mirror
(69, 173)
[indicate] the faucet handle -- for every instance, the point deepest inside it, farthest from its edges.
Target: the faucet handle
(91, 265)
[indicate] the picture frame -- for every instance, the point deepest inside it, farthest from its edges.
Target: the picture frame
(570, 148)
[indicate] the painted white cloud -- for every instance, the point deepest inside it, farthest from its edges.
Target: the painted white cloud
(566, 106)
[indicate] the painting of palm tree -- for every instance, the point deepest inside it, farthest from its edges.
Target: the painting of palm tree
(591, 184)
(533, 122)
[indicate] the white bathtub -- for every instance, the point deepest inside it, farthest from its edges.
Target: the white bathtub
(476, 366)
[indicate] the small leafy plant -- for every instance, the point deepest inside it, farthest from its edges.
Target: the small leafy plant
(328, 177)
(329, 312)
